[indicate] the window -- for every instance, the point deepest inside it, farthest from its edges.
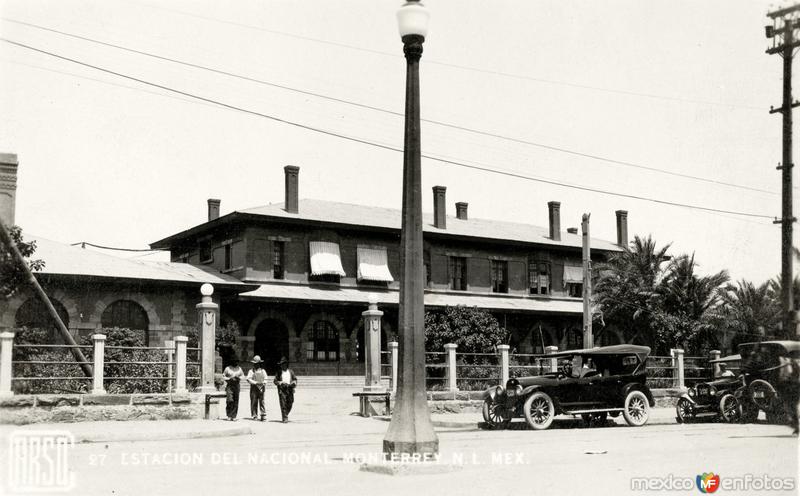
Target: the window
(574, 339)
(126, 314)
(539, 277)
(34, 315)
(575, 289)
(458, 273)
(228, 258)
(206, 255)
(277, 259)
(324, 345)
(499, 276)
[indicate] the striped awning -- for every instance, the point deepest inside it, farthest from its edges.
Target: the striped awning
(373, 265)
(325, 259)
(573, 273)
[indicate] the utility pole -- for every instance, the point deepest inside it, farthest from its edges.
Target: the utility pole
(588, 338)
(784, 22)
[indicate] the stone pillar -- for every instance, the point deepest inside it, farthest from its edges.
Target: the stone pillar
(503, 349)
(549, 350)
(99, 361)
(677, 366)
(452, 373)
(207, 316)
(169, 344)
(393, 355)
(714, 355)
(180, 364)
(8, 187)
(6, 344)
(372, 346)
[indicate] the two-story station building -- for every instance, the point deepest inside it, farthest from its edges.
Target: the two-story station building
(316, 263)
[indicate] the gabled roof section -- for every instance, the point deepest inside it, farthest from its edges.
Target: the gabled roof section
(328, 212)
(65, 260)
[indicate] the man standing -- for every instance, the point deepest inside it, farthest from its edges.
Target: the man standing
(256, 377)
(286, 382)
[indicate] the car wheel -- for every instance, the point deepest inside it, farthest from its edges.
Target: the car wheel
(684, 412)
(729, 409)
(595, 419)
(637, 408)
(761, 393)
(749, 412)
(539, 411)
(497, 416)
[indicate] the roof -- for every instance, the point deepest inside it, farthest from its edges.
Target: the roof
(361, 216)
(791, 347)
(336, 294)
(62, 259)
(617, 349)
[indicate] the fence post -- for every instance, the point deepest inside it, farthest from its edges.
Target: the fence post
(503, 349)
(170, 352)
(180, 364)
(6, 343)
(207, 315)
(99, 359)
(393, 357)
(677, 367)
(372, 346)
(714, 355)
(452, 379)
(549, 350)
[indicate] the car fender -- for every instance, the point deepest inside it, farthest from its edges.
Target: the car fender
(685, 397)
(627, 388)
(491, 393)
(529, 390)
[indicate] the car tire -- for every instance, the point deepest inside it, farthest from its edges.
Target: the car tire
(684, 412)
(636, 409)
(730, 410)
(539, 411)
(495, 415)
(765, 389)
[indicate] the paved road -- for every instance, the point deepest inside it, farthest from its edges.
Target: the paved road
(564, 460)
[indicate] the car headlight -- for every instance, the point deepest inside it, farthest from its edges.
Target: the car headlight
(498, 390)
(691, 392)
(712, 390)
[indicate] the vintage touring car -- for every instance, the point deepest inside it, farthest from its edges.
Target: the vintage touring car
(771, 376)
(715, 399)
(592, 383)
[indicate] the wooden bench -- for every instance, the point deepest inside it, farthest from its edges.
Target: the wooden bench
(218, 394)
(364, 396)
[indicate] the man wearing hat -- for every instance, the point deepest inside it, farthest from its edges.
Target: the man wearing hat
(286, 382)
(257, 377)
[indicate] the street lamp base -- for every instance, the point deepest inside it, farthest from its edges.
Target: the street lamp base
(403, 450)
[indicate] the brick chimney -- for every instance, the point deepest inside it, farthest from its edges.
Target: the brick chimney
(292, 188)
(8, 187)
(439, 209)
(622, 227)
(554, 208)
(461, 210)
(213, 208)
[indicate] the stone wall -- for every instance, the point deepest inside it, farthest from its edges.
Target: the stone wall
(29, 409)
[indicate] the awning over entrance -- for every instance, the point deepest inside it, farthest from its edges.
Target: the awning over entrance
(306, 294)
(573, 274)
(325, 259)
(373, 265)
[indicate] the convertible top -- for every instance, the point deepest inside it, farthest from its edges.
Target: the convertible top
(618, 349)
(777, 348)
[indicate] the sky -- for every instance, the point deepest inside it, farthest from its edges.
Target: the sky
(662, 100)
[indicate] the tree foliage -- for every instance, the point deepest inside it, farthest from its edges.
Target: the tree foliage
(474, 330)
(12, 276)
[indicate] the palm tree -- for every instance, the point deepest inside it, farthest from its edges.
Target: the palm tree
(748, 311)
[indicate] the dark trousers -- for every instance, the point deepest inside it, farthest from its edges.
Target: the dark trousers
(232, 399)
(286, 399)
(257, 400)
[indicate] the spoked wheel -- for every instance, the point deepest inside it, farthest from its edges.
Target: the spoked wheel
(684, 411)
(729, 409)
(637, 409)
(496, 415)
(594, 419)
(539, 411)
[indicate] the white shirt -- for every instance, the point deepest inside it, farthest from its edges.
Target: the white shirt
(286, 377)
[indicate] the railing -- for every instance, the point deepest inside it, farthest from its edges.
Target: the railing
(660, 372)
(51, 368)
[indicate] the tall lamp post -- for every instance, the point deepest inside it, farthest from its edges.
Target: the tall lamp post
(411, 430)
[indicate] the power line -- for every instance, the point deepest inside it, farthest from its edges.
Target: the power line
(391, 112)
(451, 65)
(382, 146)
(84, 244)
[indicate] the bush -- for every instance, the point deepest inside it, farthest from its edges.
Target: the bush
(37, 336)
(118, 363)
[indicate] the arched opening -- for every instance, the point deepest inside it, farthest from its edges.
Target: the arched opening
(271, 343)
(574, 339)
(324, 344)
(34, 315)
(127, 314)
